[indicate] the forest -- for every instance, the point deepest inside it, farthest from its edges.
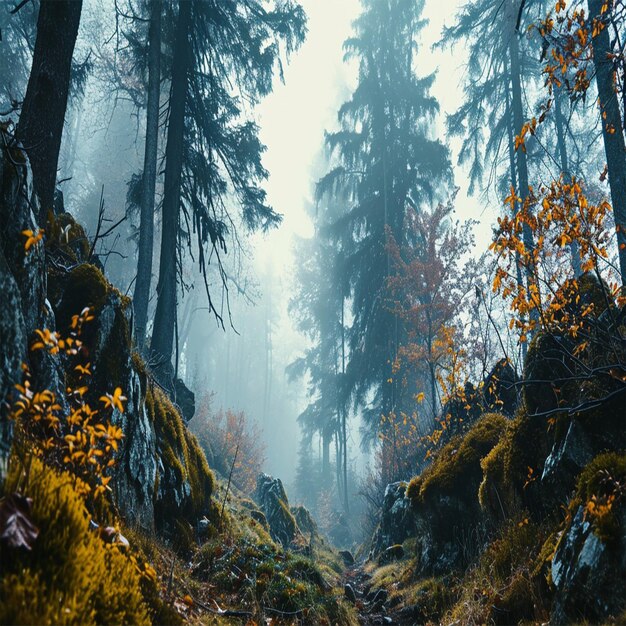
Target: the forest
(312, 312)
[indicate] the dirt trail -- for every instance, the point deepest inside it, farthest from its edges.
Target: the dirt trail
(370, 602)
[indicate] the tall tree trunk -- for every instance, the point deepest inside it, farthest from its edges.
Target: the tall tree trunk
(165, 315)
(338, 456)
(40, 127)
(611, 131)
(344, 417)
(565, 167)
(518, 123)
(146, 224)
(522, 164)
(327, 435)
(513, 174)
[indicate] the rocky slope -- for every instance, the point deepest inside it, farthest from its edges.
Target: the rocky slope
(167, 542)
(521, 519)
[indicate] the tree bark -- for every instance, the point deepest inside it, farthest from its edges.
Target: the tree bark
(513, 175)
(565, 168)
(518, 123)
(522, 163)
(327, 435)
(344, 417)
(40, 127)
(165, 315)
(146, 224)
(612, 133)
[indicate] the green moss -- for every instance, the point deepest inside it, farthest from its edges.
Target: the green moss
(601, 490)
(180, 451)
(459, 459)
(304, 520)
(112, 365)
(508, 485)
(431, 597)
(70, 576)
(67, 238)
(85, 286)
(392, 575)
(543, 562)
(547, 362)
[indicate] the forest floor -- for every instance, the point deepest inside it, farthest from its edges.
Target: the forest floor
(370, 601)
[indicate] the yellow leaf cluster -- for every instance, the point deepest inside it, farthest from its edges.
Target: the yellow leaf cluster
(76, 438)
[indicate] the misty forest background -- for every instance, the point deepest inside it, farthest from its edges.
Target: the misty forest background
(301, 199)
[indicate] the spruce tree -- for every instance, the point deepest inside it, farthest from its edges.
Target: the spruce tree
(386, 161)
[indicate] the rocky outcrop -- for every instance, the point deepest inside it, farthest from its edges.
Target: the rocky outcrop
(161, 474)
(588, 568)
(304, 520)
(588, 573)
(272, 498)
(22, 277)
(448, 519)
(397, 518)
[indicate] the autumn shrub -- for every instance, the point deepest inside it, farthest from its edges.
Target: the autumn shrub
(233, 442)
(68, 433)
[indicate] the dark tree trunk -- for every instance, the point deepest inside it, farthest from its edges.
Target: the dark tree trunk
(327, 436)
(513, 174)
(344, 417)
(40, 126)
(611, 131)
(165, 315)
(522, 163)
(146, 226)
(518, 123)
(565, 168)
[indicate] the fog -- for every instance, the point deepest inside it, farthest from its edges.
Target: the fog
(239, 328)
(242, 366)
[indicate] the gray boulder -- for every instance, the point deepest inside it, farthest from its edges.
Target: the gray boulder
(272, 498)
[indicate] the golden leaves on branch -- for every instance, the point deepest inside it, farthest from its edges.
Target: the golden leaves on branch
(562, 221)
(32, 238)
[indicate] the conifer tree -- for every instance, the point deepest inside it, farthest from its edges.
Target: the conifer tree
(386, 162)
(226, 54)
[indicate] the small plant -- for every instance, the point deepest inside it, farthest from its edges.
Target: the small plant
(67, 433)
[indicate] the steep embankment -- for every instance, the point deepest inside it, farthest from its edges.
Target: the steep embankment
(521, 519)
(109, 512)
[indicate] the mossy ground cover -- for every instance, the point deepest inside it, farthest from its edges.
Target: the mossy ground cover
(458, 460)
(70, 575)
(412, 599)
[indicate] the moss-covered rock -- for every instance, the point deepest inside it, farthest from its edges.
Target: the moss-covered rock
(67, 239)
(456, 467)
(22, 275)
(397, 518)
(512, 470)
(272, 498)
(185, 481)
(445, 498)
(500, 389)
(547, 374)
(589, 564)
(304, 520)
